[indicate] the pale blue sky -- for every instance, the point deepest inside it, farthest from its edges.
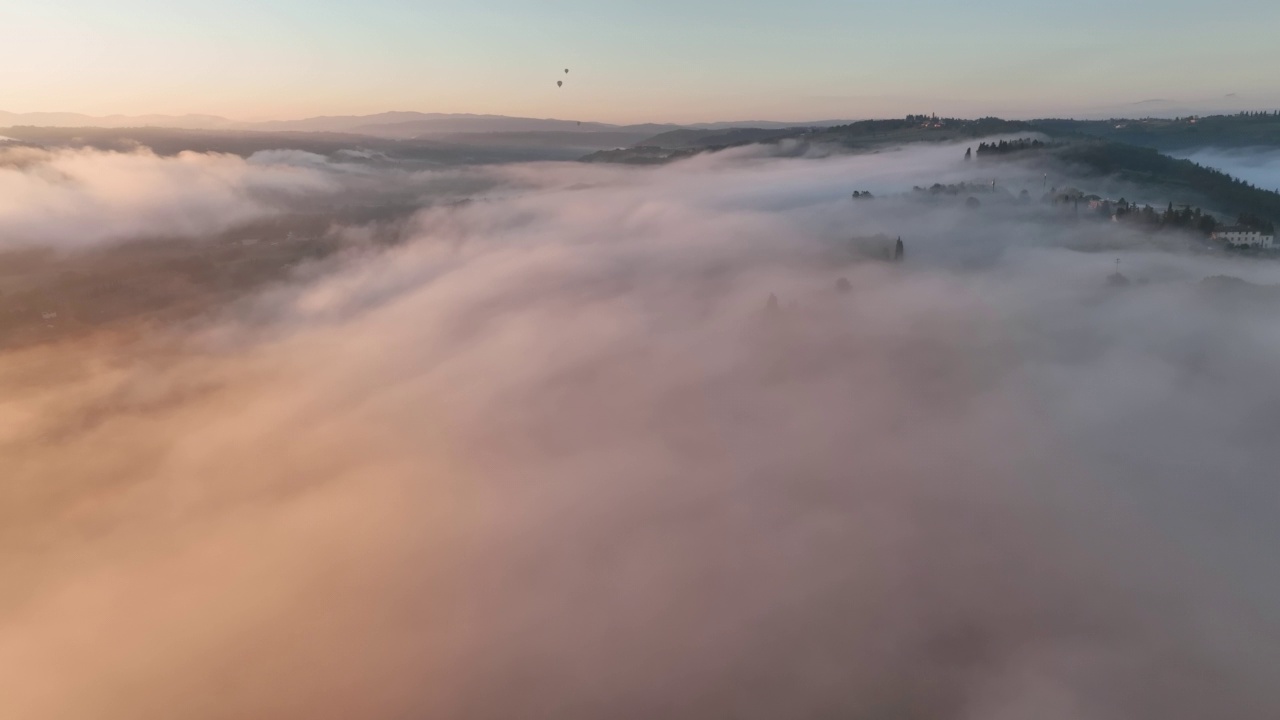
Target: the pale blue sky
(655, 60)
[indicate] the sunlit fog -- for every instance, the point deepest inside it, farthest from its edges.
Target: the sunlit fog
(639, 361)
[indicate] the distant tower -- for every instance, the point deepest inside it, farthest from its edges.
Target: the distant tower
(1117, 279)
(898, 250)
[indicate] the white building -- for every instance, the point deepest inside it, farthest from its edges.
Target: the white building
(1241, 237)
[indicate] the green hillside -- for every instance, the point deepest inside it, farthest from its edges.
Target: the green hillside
(1243, 130)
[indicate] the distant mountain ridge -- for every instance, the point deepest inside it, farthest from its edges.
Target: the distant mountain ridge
(386, 124)
(395, 124)
(65, 119)
(415, 124)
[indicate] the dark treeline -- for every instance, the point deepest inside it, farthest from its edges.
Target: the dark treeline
(920, 127)
(961, 188)
(1184, 217)
(1004, 147)
(1253, 222)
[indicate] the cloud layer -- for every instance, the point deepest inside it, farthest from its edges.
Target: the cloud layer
(557, 458)
(79, 198)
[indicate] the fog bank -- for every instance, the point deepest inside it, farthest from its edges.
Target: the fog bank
(558, 457)
(1259, 166)
(78, 198)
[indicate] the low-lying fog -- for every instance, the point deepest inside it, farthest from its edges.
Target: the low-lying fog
(557, 456)
(1259, 166)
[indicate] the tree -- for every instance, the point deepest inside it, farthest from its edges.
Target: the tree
(968, 154)
(898, 250)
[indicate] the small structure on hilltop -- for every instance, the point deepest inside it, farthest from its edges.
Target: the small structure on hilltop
(1117, 279)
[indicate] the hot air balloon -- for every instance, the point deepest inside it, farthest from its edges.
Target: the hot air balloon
(566, 71)
(559, 83)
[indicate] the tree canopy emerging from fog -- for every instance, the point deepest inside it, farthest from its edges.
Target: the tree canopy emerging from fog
(1004, 147)
(1149, 167)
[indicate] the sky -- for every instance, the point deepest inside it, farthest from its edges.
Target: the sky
(632, 61)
